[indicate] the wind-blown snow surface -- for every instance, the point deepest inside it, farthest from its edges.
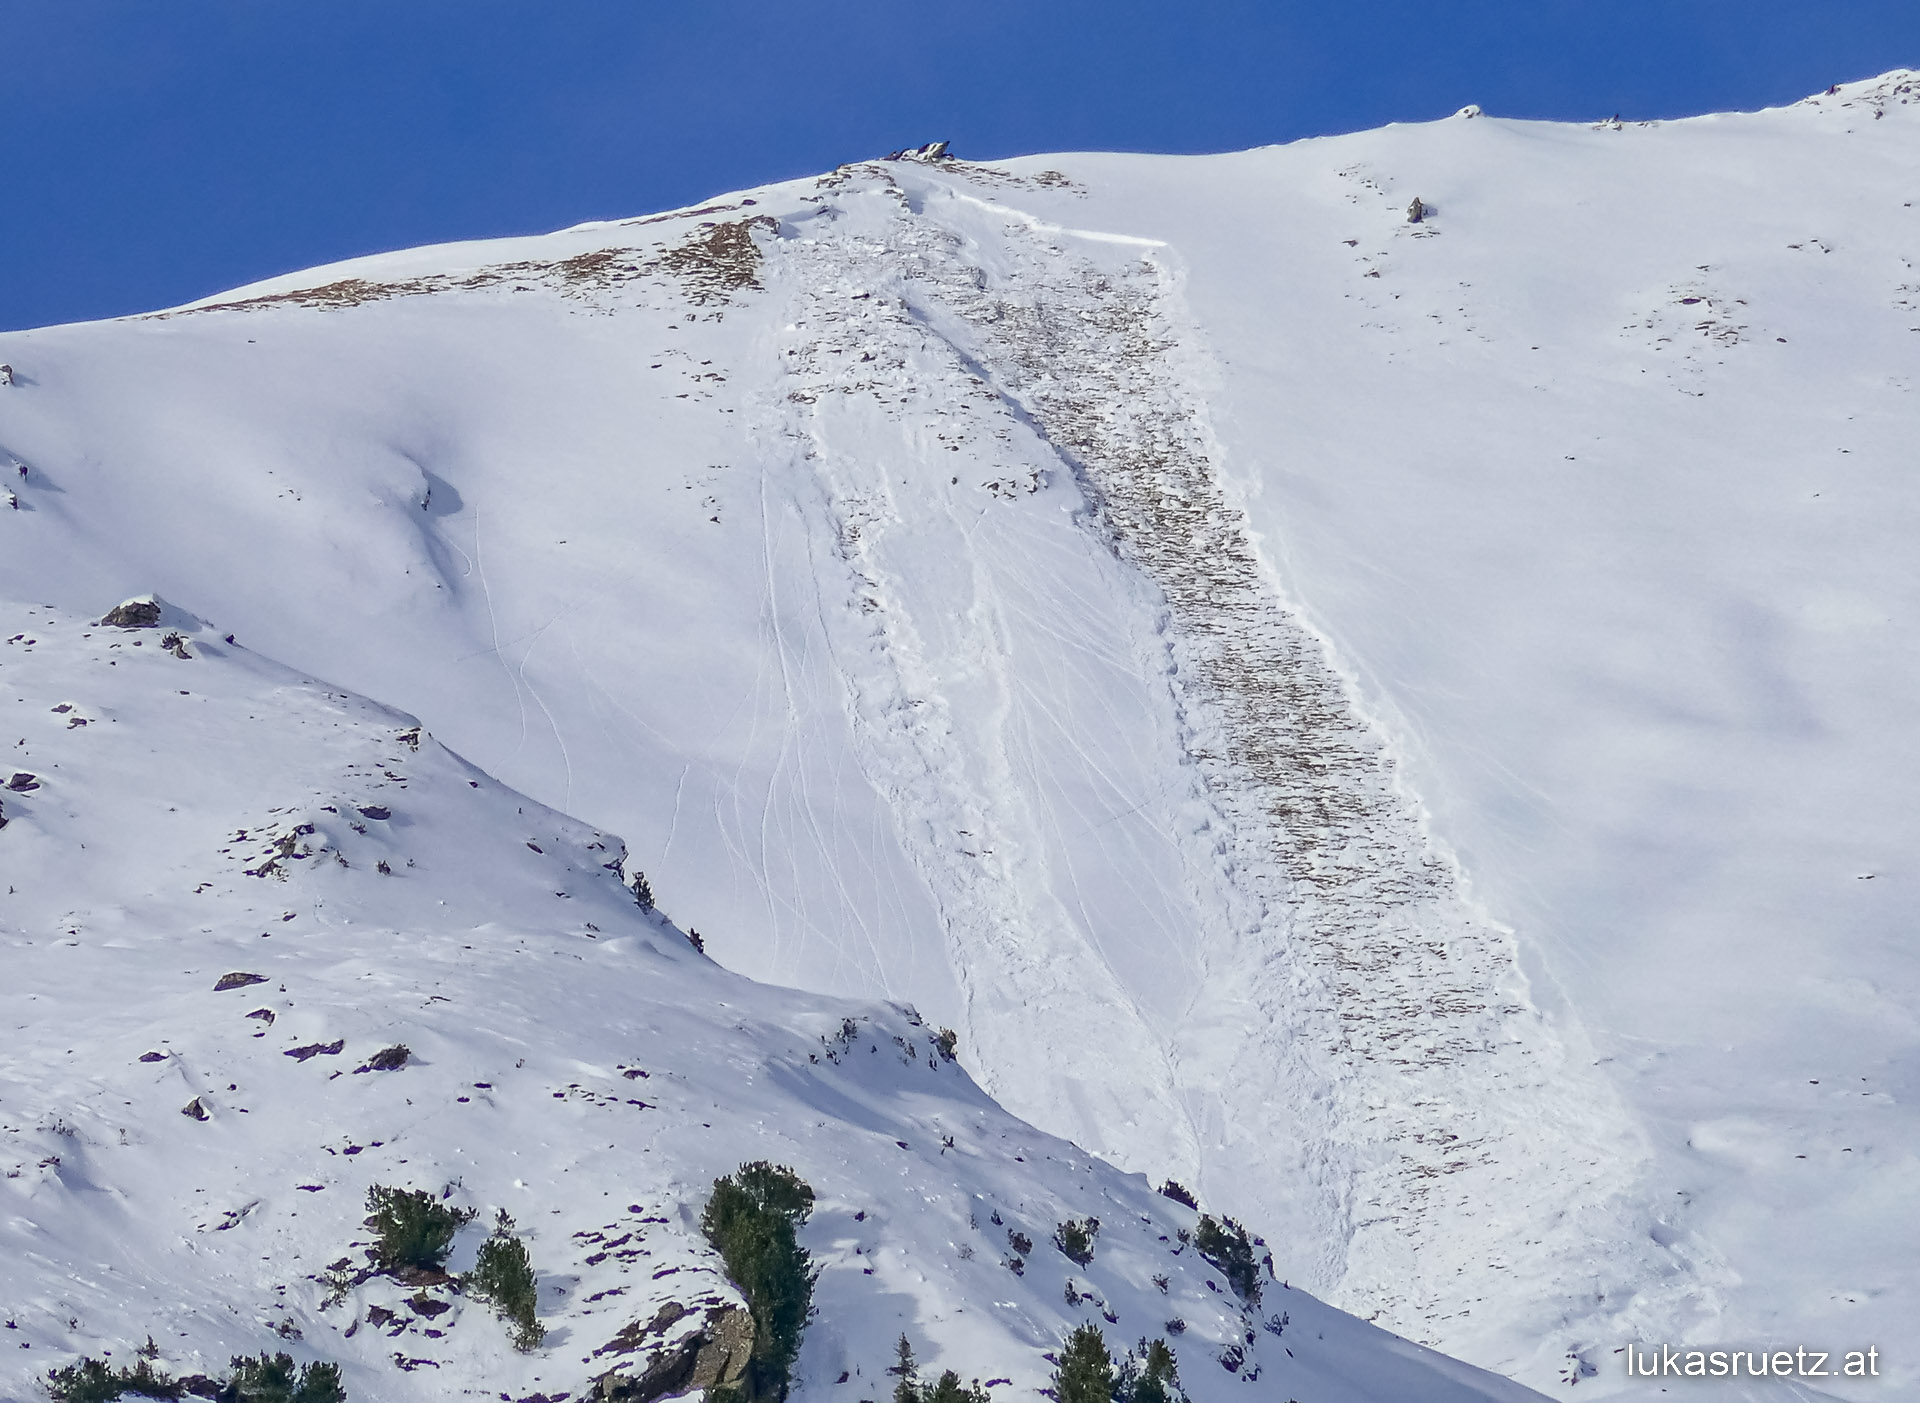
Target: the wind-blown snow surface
(1397, 723)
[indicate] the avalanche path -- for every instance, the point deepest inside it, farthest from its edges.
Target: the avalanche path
(1312, 1019)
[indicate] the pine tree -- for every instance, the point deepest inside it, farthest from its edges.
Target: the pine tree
(412, 1228)
(1149, 1374)
(503, 1274)
(908, 1389)
(948, 1389)
(1085, 1371)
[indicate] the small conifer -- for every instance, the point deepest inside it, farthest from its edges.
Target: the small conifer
(1075, 1238)
(411, 1228)
(503, 1274)
(908, 1389)
(1085, 1371)
(946, 1389)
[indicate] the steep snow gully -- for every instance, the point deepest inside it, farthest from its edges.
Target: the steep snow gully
(1404, 727)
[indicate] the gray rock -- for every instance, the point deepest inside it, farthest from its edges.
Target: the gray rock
(133, 613)
(713, 1356)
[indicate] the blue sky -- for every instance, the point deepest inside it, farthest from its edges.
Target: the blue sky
(151, 153)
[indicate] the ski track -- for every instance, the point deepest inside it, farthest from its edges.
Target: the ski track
(493, 631)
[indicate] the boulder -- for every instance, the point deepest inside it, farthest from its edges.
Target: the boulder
(714, 1355)
(388, 1059)
(142, 612)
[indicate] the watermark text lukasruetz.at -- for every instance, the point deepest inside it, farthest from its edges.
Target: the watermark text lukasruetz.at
(1688, 1362)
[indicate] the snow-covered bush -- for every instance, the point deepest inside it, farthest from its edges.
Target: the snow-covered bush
(751, 1221)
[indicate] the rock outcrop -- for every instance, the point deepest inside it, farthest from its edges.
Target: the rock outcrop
(713, 1355)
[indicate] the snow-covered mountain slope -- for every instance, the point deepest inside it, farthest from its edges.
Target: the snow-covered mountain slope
(229, 886)
(1399, 723)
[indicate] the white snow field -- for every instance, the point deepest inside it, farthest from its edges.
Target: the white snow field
(1403, 726)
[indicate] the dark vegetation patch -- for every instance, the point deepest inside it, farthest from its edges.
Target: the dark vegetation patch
(1075, 1238)
(1228, 1246)
(265, 1379)
(1174, 1190)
